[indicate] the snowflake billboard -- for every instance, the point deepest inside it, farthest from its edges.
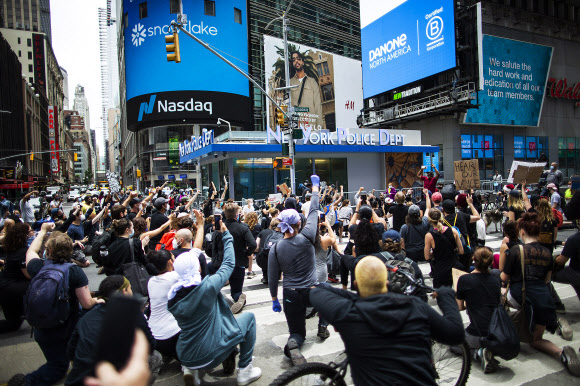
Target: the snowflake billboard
(200, 89)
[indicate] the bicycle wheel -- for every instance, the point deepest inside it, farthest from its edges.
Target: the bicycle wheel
(452, 364)
(309, 374)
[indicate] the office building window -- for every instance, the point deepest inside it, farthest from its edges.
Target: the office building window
(29, 42)
(238, 15)
(529, 148)
(487, 149)
(143, 10)
(19, 54)
(173, 6)
(29, 55)
(30, 68)
(209, 7)
(30, 80)
(569, 155)
(18, 40)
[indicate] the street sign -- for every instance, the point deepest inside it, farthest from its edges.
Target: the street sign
(160, 177)
(287, 161)
(183, 176)
(171, 177)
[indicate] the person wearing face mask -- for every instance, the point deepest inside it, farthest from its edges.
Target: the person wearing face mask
(120, 249)
(554, 176)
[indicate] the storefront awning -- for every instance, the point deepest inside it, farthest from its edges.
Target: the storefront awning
(276, 149)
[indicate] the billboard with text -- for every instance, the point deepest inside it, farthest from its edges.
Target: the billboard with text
(514, 79)
(200, 89)
(403, 41)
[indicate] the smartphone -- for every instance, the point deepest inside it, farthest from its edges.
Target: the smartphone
(322, 217)
(118, 330)
(217, 220)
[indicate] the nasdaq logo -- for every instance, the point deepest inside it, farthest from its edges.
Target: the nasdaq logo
(146, 108)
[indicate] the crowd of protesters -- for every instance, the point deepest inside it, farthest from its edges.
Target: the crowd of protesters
(169, 236)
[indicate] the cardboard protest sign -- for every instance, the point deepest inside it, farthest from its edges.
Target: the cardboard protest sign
(284, 189)
(526, 171)
(466, 173)
(456, 273)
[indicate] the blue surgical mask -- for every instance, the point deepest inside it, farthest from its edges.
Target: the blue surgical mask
(132, 233)
(551, 168)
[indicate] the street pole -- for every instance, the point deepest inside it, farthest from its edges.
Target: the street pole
(287, 73)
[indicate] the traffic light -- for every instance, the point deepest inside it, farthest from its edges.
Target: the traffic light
(278, 163)
(32, 157)
(280, 117)
(76, 157)
(174, 56)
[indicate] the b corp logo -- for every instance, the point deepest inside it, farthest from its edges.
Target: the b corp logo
(434, 28)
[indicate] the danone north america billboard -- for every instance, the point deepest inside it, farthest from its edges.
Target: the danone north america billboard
(200, 89)
(403, 41)
(515, 74)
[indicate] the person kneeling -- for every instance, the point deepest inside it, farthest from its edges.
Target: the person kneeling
(209, 331)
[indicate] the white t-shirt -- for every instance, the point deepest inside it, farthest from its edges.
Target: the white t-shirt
(162, 323)
(248, 210)
(27, 211)
(306, 208)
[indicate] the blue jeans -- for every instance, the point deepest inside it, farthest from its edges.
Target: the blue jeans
(53, 343)
(247, 323)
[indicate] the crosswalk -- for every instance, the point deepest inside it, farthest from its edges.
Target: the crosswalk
(272, 335)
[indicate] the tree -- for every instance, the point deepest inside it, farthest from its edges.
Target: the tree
(88, 177)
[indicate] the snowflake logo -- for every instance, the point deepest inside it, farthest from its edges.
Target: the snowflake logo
(138, 34)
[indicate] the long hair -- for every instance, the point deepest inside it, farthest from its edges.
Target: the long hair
(16, 237)
(251, 219)
(545, 210)
(517, 203)
(366, 240)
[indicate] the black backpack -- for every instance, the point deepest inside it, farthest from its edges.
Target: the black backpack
(269, 242)
(100, 248)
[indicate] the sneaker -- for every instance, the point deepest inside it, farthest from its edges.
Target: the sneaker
(230, 363)
(332, 278)
(323, 332)
(239, 305)
(17, 380)
(486, 358)
(295, 355)
(101, 271)
(264, 280)
(564, 329)
(190, 377)
(560, 308)
(570, 360)
(248, 374)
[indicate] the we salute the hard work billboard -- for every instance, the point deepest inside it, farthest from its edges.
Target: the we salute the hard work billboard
(329, 87)
(403, 41)
(202, 88)
(514, 79)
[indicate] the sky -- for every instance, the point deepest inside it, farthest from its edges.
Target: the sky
(75, 41)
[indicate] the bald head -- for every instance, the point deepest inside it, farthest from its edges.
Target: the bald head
(371, 276)
(184, 237)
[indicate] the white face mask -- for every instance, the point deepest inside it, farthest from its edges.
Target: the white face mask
(175, 244)
(83, 217)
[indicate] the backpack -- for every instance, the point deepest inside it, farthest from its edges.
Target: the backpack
(271, 240)
(46, 303)
(448, 192)
(398, 283)
(546, 233)
(166, 242)
(100, 248)
(465, 244)
(558, 216)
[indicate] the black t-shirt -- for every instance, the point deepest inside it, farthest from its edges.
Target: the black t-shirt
(131, 215)
(256, 231)
(517, 213)
(462, 220)
(120, 253)
(263, 235)
(157, 220)
(76, 279)
(399, 213)
(15, 262)
(572, 251)
(538, 262)
(481, 293)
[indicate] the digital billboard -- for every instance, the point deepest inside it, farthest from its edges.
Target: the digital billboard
(405, 41)
(329, 92)
(514, 79)
(201, 88)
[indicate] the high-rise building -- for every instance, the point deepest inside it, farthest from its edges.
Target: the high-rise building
(27, 15)
(81, 105)
(64, 88)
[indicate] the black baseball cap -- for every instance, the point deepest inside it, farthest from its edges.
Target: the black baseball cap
(133, 202)
(448, 205)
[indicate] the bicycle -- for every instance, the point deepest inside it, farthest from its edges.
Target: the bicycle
(451, 364)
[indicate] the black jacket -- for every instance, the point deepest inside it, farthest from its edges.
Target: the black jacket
(82, 345)
(244, 244)
(388, 337)
(572, 209)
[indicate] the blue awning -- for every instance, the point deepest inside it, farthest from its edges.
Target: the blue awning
(276, 149)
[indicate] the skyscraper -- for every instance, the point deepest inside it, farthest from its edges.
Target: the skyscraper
(82, 106)
(64, 88)
(28, 15)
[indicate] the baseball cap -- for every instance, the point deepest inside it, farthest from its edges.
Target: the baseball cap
(53, 212)
(389, 200)
(437, 197)
(392, 234)
(551, 186)
(160, 201)
(133, 201)
(448, 205)
(534, 198)
(514, 193)
(414, 210)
